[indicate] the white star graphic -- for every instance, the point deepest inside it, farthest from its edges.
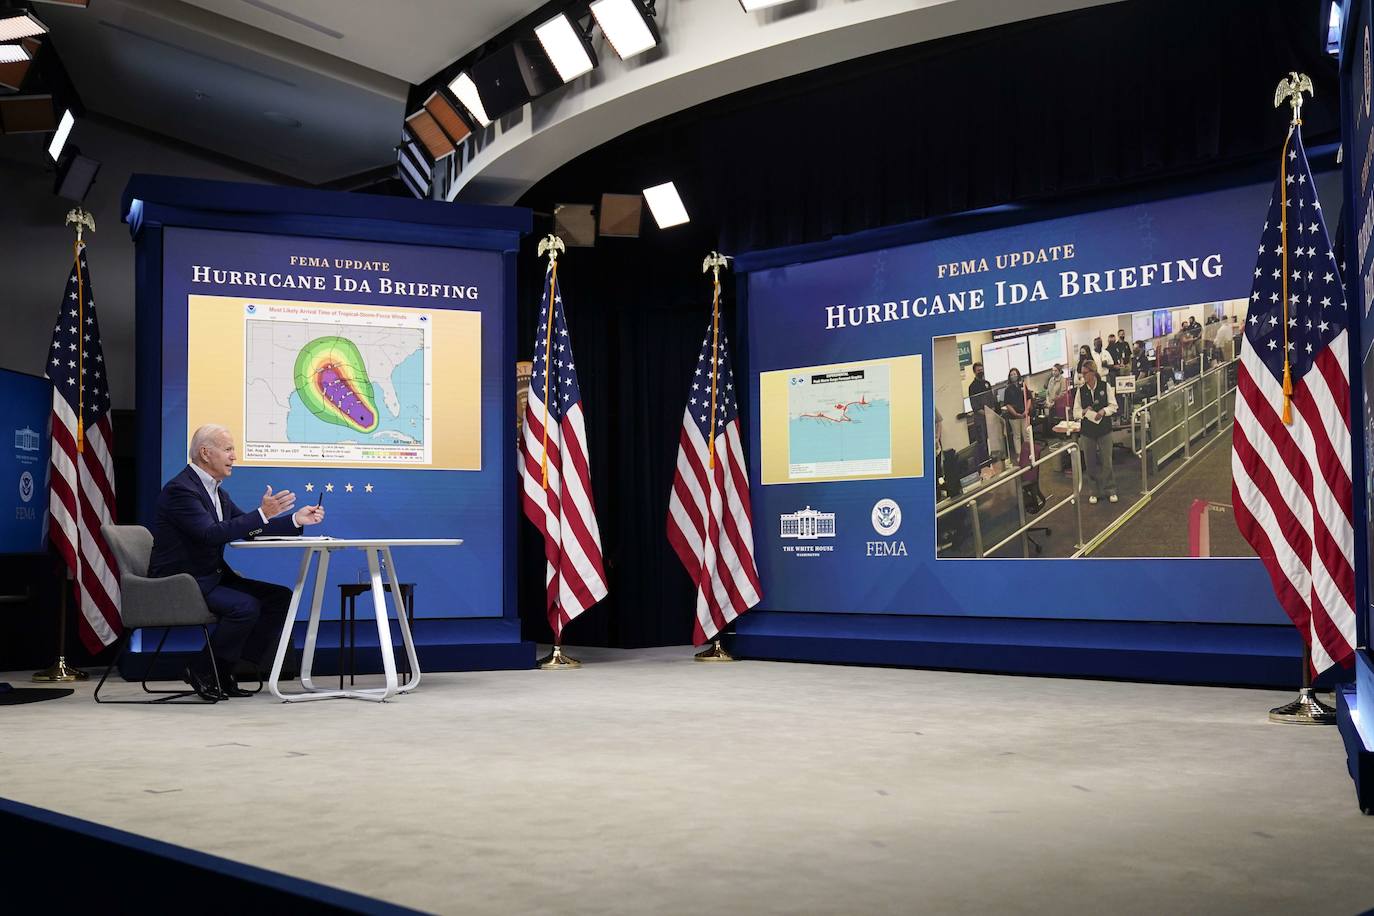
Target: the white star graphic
(368, 488)
(1273, 346)
(310, 488)
(329, 488)
(348, 488)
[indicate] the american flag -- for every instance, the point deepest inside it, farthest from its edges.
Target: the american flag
(82, 496)
(709, 520)
(560, 504)
(1291, 484)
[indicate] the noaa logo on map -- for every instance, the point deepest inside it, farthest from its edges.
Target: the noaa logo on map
(26, 486)
(797, 380)
(887, 517)
(251, 309)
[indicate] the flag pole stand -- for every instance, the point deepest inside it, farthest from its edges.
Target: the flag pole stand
(715, 653)
(1306, 709)
(59, 671)
(557, 661)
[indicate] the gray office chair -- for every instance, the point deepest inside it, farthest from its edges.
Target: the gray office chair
(173, 601)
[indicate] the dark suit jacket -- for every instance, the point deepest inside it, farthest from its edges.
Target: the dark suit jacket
(187, 538)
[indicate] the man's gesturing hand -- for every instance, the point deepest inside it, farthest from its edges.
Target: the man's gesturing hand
(274, 504)
(308, 515)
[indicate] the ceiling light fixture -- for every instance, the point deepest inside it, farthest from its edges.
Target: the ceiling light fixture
(59, 139)
(13, 54)
(666, 205)
(754, 5)
(21, 25)
(567, 47)
(627, 25)
(465, 91)
(447, 115)
(429, 133)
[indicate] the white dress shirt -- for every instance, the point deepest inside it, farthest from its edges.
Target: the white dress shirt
(212, 487)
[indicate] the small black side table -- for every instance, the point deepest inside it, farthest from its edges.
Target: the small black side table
(348, 603)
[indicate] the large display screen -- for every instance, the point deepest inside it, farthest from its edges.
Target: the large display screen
(367, 374)
(1001, 357)
(1048, 349)
(338, 385)
(1007, 493)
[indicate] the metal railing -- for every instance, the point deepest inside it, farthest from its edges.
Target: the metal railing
(1145, 438)
(982, 491)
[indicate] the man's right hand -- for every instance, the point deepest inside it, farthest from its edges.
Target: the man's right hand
(274, 504)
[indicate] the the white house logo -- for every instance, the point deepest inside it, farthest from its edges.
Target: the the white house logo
(887, 517)
(26, 486)
(808, 525)
(26, 440)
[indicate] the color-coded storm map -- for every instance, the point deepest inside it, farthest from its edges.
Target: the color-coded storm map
(335, 386)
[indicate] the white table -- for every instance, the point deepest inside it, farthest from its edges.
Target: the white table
(375, 549)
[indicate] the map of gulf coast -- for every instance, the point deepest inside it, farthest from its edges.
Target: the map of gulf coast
(318, 383)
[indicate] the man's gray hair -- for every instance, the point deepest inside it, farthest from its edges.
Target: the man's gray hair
(204, 436)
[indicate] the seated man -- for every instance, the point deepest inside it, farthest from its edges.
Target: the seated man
(195, 519)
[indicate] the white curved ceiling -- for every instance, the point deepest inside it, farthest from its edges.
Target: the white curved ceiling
(316, 89)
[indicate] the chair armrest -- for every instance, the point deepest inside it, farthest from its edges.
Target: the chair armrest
(169, 601)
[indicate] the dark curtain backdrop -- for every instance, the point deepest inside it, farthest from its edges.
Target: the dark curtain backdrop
(1104, 100)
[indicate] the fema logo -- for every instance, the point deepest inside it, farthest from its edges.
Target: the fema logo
(252, 308)
(887, 517)
(26, 486)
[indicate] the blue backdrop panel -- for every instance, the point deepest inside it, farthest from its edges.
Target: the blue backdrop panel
(465, 596)
(1357, 128)
(792, 318)
(402, 503)
(25, 407)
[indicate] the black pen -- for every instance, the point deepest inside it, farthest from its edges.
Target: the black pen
(320, 501)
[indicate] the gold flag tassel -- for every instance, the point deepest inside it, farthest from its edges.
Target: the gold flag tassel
(81, 220)
(714, 262)
(553, 245)
(1290, 89)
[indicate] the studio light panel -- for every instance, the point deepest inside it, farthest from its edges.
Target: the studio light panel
(666, 205)
(25, 25)
(566, 48)
(628, 28)
(465, 91)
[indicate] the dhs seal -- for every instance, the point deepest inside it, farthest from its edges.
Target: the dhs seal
(26, 486)
(887, 517)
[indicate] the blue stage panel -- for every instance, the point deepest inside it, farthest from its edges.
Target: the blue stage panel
(238, 286)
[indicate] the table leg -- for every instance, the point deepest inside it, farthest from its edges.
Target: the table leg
(383, 628)
(342, 601)
(292, 608)
(414, 680)
(312, 629)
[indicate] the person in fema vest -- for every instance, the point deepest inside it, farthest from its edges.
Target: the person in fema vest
(1094, 403)
(195, 519)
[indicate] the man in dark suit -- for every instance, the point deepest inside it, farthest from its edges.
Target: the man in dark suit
(195, 519)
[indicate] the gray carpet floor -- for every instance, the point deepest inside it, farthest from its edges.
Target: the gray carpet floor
(646, 783)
